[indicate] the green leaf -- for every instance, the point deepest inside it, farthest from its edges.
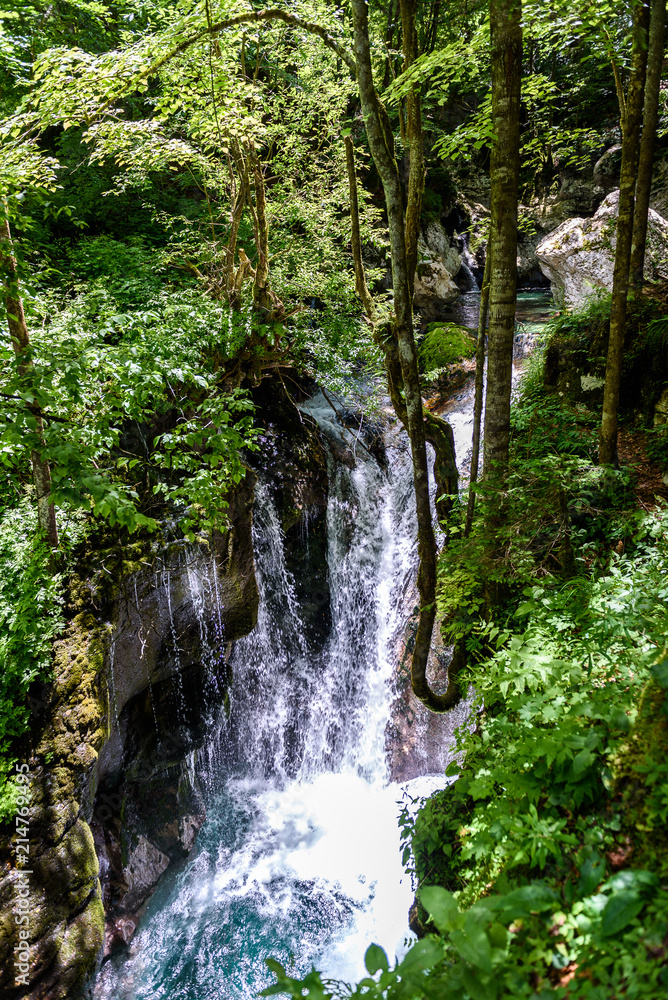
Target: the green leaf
(632, 878)
(478, 989)
(473, 944)
(423, 956)
(498, 935)
(441, 906)
(533, 898)
(591, 874)
(620, 910)
(581, 762)
(375, 960)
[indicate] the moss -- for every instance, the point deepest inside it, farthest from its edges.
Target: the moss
(445, 344)
(80, 947)
(577, 348)
(80, 720)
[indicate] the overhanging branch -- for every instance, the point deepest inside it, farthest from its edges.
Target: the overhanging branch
(251, 17)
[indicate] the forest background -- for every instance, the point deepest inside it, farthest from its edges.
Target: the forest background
(176, 192)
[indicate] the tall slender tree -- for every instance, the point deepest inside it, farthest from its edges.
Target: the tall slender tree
(479, 385)
(506, 60)
(398, 341)
(607, 454)
(361, 286)
(648, 140)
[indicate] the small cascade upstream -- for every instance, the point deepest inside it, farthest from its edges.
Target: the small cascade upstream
(299, 856)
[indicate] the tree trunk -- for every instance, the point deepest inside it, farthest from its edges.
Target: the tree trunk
(479, 382)
(18, 332)
(506, 52)
(401, 356)
(607, 454)
(389, 37)
(415, 142)
(432, 33)
(360, 280)
(647, 142)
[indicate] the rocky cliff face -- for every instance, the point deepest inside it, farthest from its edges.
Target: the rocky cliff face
(138, 688)
(58, 889)
(579, 255)
(168, 679)
(113, 802)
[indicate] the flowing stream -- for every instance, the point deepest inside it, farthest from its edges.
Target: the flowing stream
(299, 855)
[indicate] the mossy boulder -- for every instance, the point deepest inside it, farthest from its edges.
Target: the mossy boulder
(577, 346)
(445, 344)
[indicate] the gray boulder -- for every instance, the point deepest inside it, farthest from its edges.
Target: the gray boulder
(436, 244)
(438, 264)
(579, 256)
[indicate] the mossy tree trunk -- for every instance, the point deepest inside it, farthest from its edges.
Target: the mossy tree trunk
(398, 340)
(415, 142)
(20, 338)
(506, 53)
(647, 142)
(607, 454)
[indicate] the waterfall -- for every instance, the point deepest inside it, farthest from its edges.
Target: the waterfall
(467, 278)
(299, 855)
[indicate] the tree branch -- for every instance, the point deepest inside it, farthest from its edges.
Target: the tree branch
(251, 17)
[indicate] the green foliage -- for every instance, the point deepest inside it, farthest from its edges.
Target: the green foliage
(432, 205)
(656, 336)
(31, 616)
(135, 407)
(333, 345)
(562, 516)
(657, 445)
(404, 982)
(576, 348)
(30, 599)
(537, 801)
(127, 272)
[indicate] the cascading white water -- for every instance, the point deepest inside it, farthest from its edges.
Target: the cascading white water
(299, 854)
(298, 858)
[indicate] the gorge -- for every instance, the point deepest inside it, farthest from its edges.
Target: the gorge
(333, 541)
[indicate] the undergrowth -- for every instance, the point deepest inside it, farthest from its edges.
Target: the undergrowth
(541, 869)
(31, 617)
